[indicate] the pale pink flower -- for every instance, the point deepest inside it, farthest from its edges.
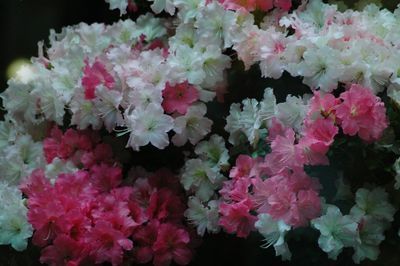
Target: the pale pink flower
(321, 106)
(316, 141)
(285, 153)
(289, 196)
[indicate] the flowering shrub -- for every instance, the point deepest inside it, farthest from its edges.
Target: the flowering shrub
(319, 160)
(88, 216)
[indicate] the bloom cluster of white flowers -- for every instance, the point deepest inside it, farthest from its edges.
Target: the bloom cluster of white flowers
(362, 229)
(202, 176)
(116, 76)
(327, 46)
(247, 121)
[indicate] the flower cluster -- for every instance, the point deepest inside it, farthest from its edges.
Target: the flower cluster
(88, 216)
(155, 79)
(326, 46)
(272, 192)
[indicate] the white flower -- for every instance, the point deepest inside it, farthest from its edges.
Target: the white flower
(84, 112)
(213, 23)
(187, 64)
(274, 233)
(149, 26)
(107, 105)
(199, 177)
(213, 151)
(371, 236)
(337, 231)
(7, 133)
(51, 104)
(321, 68)
(14, 227)
(143, 96)
(204, 216)
(160, 5)
(19, 160)
(19, 103)
(192, 126)
(118, 4)
(245, 121)
(396, 167)
(373, 203)
(291, 113)
(148, 125)
(267, 107)
(213, 65)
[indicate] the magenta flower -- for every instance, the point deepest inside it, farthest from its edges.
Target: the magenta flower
(179, 97)
(144, 237)
(64, 252)
(171, 245)
(95, 75)
(107, 243)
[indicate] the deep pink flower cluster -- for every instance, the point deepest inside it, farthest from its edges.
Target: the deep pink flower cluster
(251, 5)
(88, 218)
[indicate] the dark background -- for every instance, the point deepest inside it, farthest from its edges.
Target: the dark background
(25, 22)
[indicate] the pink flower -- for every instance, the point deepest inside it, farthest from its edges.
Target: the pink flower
(245, 167)
(236, 190)
(289, 196)
(236, 218)
(171, 245)
(179, 97)
(322, 107)
(276, 129)
(285, 154)
(95, 75)
(316, 141)
(362, 113)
